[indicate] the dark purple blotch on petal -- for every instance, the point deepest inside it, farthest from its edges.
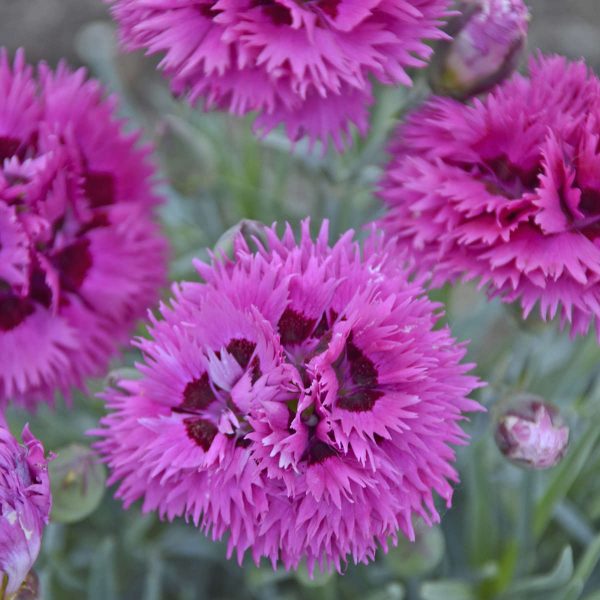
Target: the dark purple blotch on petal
(362, 369)
(39, 290)
(242, 350)
(280, 15)
(242, 442)
(294, 327)
(208, 11)
(100, 189)
(197, 395)
(589, 203)
(361, 400)
(73, 263)
(329, 7)
(201, 431)
(8, 147)
(100, 219)
(321, 328)
(318, 451)
(13, 310)
(256, 371)
(360, 393)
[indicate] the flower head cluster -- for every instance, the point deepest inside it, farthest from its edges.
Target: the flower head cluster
(80, 255)
(25, 502)
(303, 63)
(506, 191)
(299, 400)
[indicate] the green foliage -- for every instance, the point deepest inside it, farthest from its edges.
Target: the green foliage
(509, 535)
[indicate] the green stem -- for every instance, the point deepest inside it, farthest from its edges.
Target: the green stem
(525, 536)
(413, 589)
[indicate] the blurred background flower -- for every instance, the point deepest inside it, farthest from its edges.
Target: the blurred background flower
(504, 191)
(81, 254)
(307, 65)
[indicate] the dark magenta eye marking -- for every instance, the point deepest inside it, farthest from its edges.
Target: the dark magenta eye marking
(8, 147)
(201, 431)
(294, 327)
(359, 401)
(73, 263)
(198, 395)
(242, 350)
(207, 10)
(13, 310)
(361, 396)
(99, 188)
(318, 451)
(280, 15)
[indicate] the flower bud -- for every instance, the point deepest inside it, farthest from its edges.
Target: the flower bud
(489, 38)
(415, 559)
(532, 434)
(78, 481)
(24, 506)
(30, 589)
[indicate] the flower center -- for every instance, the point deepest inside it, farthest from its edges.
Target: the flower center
(281, 15)
(503, 177)
(200, 395)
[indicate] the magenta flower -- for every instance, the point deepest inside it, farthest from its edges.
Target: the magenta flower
(305, 64)
(506, 191)
(81, 257)
(25, 503)
(300, 400)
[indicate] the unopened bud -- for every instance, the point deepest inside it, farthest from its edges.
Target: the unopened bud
(532, 434)
(488, 40)
(30, 589)
(78, 483)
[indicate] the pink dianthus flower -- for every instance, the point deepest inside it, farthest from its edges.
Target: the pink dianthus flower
(305, 63)
(25, 502)
(81, 257)
(506, 190)
(299, 400)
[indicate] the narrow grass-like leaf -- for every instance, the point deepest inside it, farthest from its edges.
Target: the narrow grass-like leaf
(563, 478)
(559, 576)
